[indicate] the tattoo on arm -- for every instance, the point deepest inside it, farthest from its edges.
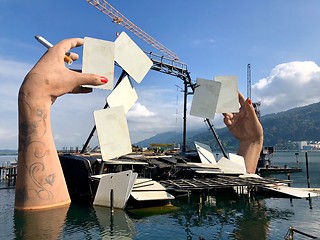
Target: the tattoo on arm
(32, 146)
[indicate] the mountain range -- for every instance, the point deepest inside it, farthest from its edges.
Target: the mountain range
(281, 130)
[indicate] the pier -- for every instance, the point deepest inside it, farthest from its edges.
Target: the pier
(9, 173)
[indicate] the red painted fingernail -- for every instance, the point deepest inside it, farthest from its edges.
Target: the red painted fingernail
(249, 101)
(103, 79)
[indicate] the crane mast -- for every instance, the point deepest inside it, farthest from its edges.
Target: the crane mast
(249, 80)
(256, 105)
(119, 18)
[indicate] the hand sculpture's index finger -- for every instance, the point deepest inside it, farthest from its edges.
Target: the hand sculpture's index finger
(67, 44)
(241, 99)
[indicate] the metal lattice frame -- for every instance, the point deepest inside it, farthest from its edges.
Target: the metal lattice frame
(119, 18)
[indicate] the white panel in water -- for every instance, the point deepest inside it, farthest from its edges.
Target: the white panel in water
(120, 183)
(228, 99)
(131, 58)
(113, 132)
(147, 189)
(132, 180)
(123, 95)
(234, 165)
(205, 98)
(205, 153)
(98, 58)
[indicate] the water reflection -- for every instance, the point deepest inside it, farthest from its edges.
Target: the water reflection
(202, 216)
(75, 222)
(226, 217)
(44, 224)
(117, 225)
(87, 222)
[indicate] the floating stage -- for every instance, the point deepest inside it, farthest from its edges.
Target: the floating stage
(243, 184)
(218, 182)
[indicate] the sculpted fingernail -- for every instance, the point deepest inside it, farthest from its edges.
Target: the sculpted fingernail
(249, 101)
(103, 79)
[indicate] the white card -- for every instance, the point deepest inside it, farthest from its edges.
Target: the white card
(113, 132)
(121, 183)
(98, 58)
(123, 95)
(205, 98)
(228, 98)
(131, 58)
(205, 153)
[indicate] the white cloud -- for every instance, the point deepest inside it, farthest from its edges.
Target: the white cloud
(139, 110)
(289, 85)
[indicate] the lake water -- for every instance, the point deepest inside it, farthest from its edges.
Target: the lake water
(216, 217)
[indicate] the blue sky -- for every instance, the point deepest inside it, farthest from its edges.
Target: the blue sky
(280, 39)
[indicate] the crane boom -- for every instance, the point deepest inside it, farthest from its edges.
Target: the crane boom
(119, 18)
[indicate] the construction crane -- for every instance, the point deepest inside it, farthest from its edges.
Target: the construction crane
(256, 105)
(119, 18)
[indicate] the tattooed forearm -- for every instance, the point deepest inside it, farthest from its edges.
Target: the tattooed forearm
(32, 146)
(34, 152)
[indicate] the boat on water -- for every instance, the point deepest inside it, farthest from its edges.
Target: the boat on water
(265, 166)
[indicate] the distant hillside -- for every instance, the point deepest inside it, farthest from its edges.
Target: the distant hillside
(297, 124)
(280, 130)
(159, 138)
(8, 152)
(167, 137)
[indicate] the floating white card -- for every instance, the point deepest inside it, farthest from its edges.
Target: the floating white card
(205, 98)
(123, 95)
(131, 58)
(205, 153)
(132, 180)
(121, 183)
(98, 58)
(235, 164)
(113, 132)
(228, 98)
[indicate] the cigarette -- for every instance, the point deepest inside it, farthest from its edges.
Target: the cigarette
(47, 44)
